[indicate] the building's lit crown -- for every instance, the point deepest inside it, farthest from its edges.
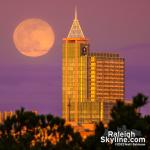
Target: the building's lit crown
(76, 31)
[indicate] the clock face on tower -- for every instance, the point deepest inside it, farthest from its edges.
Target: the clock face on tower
(84, 50)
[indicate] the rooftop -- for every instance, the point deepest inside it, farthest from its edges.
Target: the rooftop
(76, 31)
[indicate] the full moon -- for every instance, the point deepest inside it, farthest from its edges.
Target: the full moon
(33, 37)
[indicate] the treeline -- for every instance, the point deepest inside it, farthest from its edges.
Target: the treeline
(29, 131)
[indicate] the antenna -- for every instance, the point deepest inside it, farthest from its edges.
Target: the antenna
(75, 14)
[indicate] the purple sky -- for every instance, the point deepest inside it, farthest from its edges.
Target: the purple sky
(35, 83)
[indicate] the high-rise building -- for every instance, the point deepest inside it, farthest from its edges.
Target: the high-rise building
(105, 82)
(91, 82)
(74, 68)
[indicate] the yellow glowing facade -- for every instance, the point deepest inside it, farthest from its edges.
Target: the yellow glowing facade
(91, 82)
(75, 50)
(105, 81)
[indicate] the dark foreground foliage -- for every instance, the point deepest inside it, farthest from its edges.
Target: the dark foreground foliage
(27, 131)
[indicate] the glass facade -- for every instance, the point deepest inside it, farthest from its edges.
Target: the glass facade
(106, 73)
(91, 82)
(105, 76)
(75, 53)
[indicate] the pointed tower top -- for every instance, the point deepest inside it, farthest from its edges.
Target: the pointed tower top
(76, 31)
(75, 14)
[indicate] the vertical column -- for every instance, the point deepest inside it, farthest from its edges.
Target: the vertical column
(76, 80)
(81, 80)
(93, 78)
(66, 80)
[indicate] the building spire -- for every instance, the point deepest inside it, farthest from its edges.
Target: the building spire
(75, 31)
(76, 14)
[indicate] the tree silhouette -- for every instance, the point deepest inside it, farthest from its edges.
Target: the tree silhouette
(129, 115)
(122, 114)
(26, 130)
(93, 142)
